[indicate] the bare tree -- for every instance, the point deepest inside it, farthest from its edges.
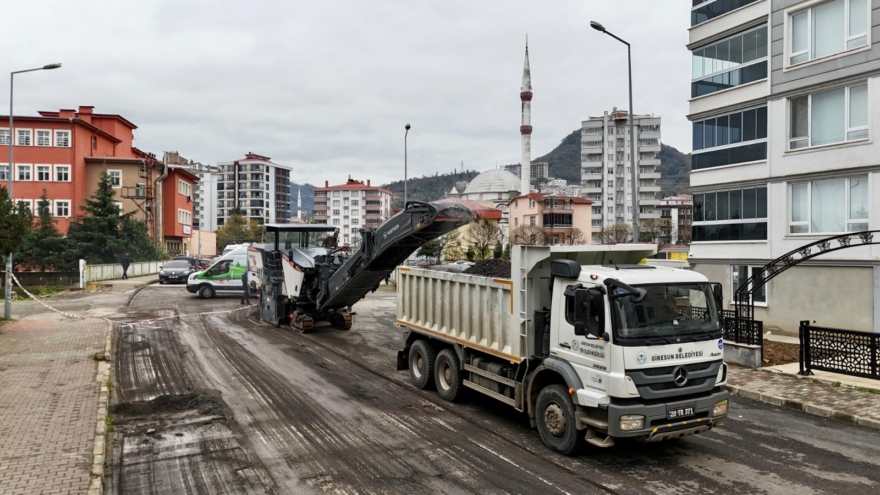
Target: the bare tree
(483, 235)
(684, 235)
(574, 237)
(452, 249)
(657, 231)
(615, 234)
(528, 235)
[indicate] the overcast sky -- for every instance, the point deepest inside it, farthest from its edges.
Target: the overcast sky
(326, 86)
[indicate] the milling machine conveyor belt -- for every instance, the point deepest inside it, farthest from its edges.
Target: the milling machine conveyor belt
(383, 249)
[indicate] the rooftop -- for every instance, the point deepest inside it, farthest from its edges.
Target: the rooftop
(493, 181)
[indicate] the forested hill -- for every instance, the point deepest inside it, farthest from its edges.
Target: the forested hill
(565, 163)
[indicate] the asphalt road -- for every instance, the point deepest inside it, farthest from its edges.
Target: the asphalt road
(221, 403)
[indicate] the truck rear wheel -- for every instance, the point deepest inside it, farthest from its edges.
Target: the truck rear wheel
(421, 363)
(556, 421)
(447, 375)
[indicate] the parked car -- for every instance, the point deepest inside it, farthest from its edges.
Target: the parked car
(192, 260)
(175, 271)
(204, 263)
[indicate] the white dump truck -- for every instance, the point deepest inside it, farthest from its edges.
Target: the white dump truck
(592, 345)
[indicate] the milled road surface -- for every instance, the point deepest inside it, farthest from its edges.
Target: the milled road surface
(221, 403)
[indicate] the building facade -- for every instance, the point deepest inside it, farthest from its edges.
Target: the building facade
(561, 219)
(204, 191)
(255, 186)
(606, 179)
(679, 212)
(352, 206)
(540, 170)
(784, 110)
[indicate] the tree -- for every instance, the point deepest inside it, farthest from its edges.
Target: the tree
(528, 235)
(15, 223)
(506, 254)
(684, 236)
(657, 231)
(103, 234)
(574, 237)
(430, 249)
(44, 247)
(238, 230)
(498, 251)
(453, 250)
(482, 235)
(615, 234)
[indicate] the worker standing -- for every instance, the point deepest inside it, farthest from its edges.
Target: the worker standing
(245, 295)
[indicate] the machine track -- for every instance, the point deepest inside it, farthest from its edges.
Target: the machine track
(302, 323)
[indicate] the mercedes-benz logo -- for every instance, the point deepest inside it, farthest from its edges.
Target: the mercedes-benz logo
(680, 376)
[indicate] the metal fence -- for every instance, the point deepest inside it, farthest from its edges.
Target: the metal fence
(838, 351)
(750, 332)
(96, 273)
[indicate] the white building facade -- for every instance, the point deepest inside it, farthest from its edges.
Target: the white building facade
(606, 179)
(256, 186)
(352, 206)
(204, 193)
(784, 111)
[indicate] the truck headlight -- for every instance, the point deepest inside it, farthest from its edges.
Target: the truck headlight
(720, 408)
(629, 422)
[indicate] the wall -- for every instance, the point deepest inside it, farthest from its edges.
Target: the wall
(95, 273)
(208, 241)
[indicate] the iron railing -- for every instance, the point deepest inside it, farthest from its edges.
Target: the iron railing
(838, 351)
(749, 331)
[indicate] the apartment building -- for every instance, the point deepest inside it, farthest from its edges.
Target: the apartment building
(606, 179)
(255, 186)
(204, 197)
(558, 217)
(352, 206)
(679, 212)
(539, 170)
(784, 110)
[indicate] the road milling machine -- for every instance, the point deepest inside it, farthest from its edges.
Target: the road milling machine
(304, 276)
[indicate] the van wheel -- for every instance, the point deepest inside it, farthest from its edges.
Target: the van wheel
(206, 292)
(447, 375)
(421, 363)
(556, 421)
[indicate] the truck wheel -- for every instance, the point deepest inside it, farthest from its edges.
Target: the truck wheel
(421, 363)
(556, 421)
(447, 375)
(206, 292)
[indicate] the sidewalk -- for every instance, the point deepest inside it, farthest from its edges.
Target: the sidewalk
(830, 395)
(119, 285)
(49, 403)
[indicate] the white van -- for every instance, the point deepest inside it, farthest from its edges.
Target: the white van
(224, 275)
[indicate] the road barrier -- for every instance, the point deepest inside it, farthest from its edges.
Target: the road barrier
(111, 271)
(839, 351)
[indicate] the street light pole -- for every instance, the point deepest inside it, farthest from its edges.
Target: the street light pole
(632, 144)
(7, 303)
(407, 127)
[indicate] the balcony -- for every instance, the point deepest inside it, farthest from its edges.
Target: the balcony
(649, 202)
(591, 176)
(649, 175)
(647, 189)
(590, 189)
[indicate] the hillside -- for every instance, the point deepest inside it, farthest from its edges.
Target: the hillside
(428, 188)
(565, 159)
(674, 168)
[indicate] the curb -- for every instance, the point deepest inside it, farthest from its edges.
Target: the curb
(806, 407)
(96, 480)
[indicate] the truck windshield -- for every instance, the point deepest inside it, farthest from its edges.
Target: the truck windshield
(669, 313)
(290, 240)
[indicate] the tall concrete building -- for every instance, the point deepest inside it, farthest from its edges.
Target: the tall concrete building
(605, 167)
(352, 206)
(540, 170)
(783, 97)
(525, 129)
(204, 191)
(256, 186)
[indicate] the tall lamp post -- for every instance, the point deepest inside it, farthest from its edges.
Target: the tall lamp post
(632, 144)
(7, 305)
(405, 134)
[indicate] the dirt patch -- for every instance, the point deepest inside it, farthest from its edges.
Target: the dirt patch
(776, 353)
(169, 404)
(490, 268)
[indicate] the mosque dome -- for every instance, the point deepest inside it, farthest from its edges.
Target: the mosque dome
(493, 181)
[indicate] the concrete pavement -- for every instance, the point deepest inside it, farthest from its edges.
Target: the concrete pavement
(120, 285)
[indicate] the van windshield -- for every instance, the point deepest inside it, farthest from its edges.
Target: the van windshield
(669, 313)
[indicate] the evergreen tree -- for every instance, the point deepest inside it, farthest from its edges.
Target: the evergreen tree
(15, 223)
(44, 248)
(498, 251)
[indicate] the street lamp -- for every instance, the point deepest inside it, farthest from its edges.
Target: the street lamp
(7, 305)
(632, 144)
(405, 134)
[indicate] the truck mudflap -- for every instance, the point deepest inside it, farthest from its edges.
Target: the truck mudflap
(670, 419)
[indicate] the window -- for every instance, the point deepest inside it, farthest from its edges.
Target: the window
(4, 137)
(184, 217)
(531, 220)
(826, 29)
(25, 203)
(734, 61)
(95, 145)
(335, 221)
(62, 173)
(355, 202)
(557, 220)
(355, 194)
(740, 274)
(829, 117)
(648, 142)
(44, 173)
(62, 208)
(829, 206)
(610, 209)
(115, 178)
(531, 204)
(184, 187)
(592, 144)
(732, 215)
(24, 137)
(738, 137)
(24, 172)
(44, 137)
(336, 212)
(4, 172)
(335, 194)
(335, 202)
(704, 10)
(355, 213)
(593, 130)
(355, 221)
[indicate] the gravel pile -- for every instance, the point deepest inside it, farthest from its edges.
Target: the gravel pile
(490, 268)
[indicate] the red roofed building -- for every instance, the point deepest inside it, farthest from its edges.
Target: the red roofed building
(557, 216)
(352, 206)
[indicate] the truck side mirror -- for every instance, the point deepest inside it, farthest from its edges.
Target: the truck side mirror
(589, 312)
(581, 311)
(718, 293)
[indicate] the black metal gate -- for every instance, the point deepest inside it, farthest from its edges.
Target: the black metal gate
(838, 351)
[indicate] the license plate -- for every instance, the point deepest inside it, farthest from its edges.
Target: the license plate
(679, 412)
(173, 276)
